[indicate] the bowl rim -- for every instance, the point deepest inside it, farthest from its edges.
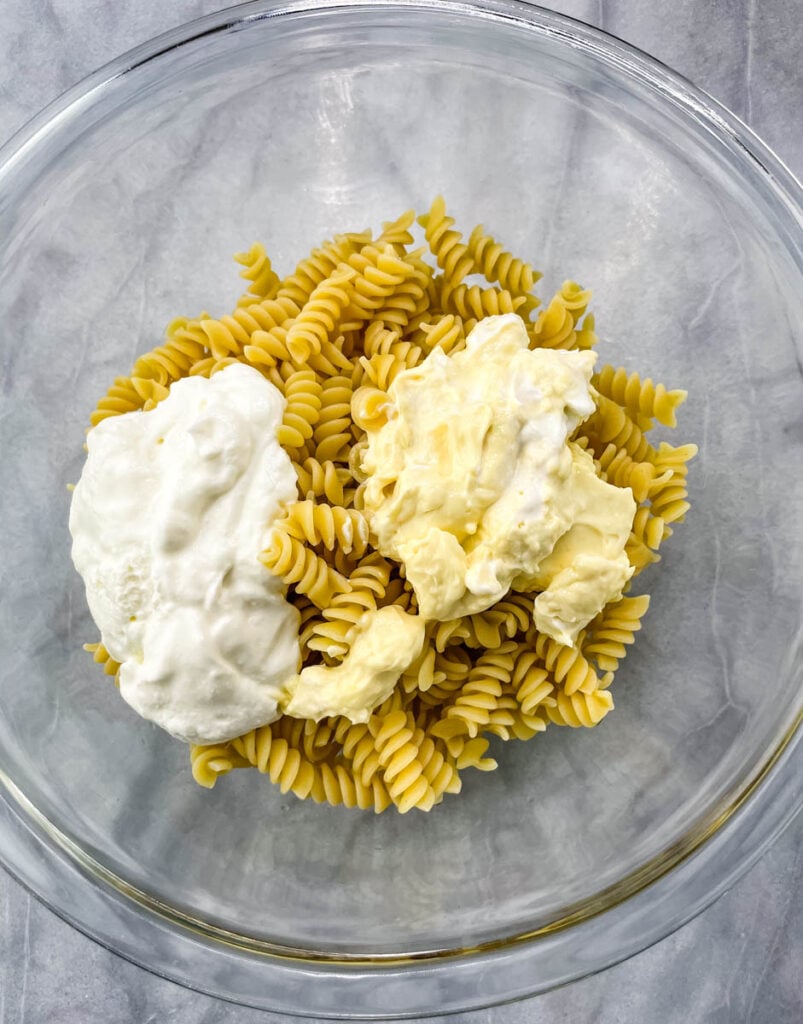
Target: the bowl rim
(56, 870)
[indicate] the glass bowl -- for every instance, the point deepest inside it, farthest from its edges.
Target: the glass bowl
(119, 208)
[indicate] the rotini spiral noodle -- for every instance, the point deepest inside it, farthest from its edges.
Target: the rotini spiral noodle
(610, 424)
(303, 394)
(329, 525)
(395, 738)
(490, 259)
(210, 762)
(557, 324)
(172, 361)
(580, 710)
(472, 303)
(311, 574)
(378, 273)
(613, 630)
(409, 299)
(445, 244)
(531, 680)
(263, 281)
(102, 657)
(397, 232)
(369, 407)
(640, 397)
(447, 333)
(320, 316)
(617, 467)
(323, 480)
(319, 265)
(332, 434)
(567, 665)
(479, 695)
(128, 394)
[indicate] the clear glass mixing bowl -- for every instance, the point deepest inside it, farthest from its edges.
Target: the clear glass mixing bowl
(119, 208)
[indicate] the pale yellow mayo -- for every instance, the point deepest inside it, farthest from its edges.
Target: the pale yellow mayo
(473, 484)
(386, 642)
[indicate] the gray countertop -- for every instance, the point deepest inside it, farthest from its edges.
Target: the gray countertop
(742, 959)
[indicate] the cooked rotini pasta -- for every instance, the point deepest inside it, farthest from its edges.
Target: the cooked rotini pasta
(329, 525)
(498, 266)
(332, 336)
(263, 281)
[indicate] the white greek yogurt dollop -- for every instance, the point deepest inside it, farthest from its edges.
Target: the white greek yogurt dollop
(168, 520)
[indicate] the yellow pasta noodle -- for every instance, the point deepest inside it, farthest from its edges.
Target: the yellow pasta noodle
(263, 281)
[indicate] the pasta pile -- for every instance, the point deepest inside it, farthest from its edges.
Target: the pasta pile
(332, 336)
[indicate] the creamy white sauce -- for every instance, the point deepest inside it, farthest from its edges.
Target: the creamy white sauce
(168, 520)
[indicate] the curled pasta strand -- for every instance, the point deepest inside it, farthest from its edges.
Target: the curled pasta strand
(611, 424)
(302, 411)
(267, 348)
(388, 342)
(370, 407)
(409, 299)
(332, 632)
(610, 633)
(379, 337)
(480, 693)
(382, 369)
(320, 316)
(580, 710)
(422, 675)
(472, 303)
(332, 434)
(319, 265)
(210, 366)
(173, 360)
(280, 757)
(447, 333)
(128, 394)
(531, 681)
(378, 273)
(395, 737)
(567, 665)
(323, 480)
(617, 467)
(288, 558)
(557, 324)
(102, 657)
(209, 763)
(263, 281)
(445, 243)
(647, 528)
(491, 260)
(397, 232)
(438, 767)
(472, 755)
(329, 525)
(640, 397)
(233, 333)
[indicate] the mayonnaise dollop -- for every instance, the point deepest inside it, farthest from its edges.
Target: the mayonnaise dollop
(473, 484)
(385, 643)
(168, 519)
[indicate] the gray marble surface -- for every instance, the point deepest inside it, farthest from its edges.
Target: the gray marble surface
(742, 959)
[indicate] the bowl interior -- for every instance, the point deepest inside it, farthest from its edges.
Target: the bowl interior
(287, 132)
